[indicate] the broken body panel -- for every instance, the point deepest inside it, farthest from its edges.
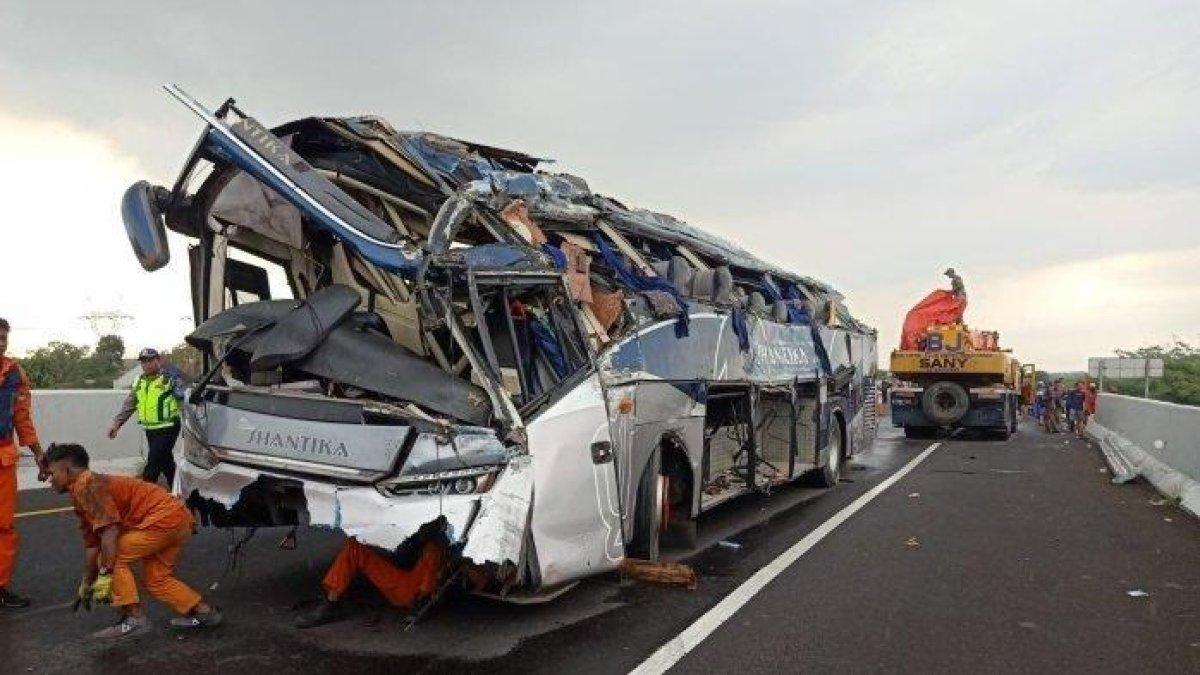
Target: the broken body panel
(551, 378)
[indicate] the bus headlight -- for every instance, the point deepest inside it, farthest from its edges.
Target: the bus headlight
(461, 482)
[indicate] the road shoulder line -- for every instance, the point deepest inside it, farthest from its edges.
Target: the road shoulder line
(44, 512)
(674, 650)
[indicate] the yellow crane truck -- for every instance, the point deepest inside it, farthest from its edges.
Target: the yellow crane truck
(957, 378)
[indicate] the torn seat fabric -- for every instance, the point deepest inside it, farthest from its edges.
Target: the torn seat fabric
(638, 282)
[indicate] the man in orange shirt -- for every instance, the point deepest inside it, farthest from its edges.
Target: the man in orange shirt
(125, 520)
(16, 426)
(403, 582)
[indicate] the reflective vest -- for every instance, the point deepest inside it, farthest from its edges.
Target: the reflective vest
(157, 407)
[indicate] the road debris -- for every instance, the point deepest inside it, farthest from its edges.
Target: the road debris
(912, 543)
(659, 572)
(1137, 593)
(732, 545)
(914, 495)
(1157, 502)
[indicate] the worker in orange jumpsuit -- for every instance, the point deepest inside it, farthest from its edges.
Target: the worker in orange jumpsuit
(402, 586)
(125, 520)
(16, 427)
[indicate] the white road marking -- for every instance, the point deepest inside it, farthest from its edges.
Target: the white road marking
(670, 653)
(23, 614)
(43, 512)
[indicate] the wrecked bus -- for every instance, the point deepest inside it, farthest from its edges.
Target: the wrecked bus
(458, 340)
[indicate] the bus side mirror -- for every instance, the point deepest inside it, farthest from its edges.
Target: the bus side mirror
(142, 212)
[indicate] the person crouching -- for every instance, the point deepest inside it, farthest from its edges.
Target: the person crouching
(406, 577)
(124, 520)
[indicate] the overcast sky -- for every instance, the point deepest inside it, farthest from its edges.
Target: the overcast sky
(1051, 155)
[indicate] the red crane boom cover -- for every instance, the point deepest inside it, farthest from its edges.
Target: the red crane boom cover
(940, 306)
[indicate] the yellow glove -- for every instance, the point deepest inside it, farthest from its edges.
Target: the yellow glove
(83, 596)
(102, 588)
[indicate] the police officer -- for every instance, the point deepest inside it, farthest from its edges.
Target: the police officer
(155, 397)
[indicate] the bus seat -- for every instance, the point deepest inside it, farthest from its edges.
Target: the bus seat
(682, 275)
(738, 297)
(702, 285)
(779, 311)
(722, 286)
(757, 304)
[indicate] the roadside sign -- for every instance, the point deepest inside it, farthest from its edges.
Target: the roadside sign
(1120, 368)
(1117, 368)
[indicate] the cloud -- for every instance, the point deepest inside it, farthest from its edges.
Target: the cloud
(868, 145)
(66, 253)
(1058, 315)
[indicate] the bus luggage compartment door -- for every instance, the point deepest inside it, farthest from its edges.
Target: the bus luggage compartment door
(576, 518)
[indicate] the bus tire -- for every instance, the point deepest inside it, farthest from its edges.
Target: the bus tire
(647, 520)
(831, 472)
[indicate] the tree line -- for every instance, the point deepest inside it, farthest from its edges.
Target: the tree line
(63, 365)
(1180, 382)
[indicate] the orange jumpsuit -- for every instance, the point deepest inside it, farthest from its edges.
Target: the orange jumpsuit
(401, 587)
(16, 428)
(153, 527)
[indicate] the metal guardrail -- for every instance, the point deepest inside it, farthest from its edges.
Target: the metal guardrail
(1115, 452)
(1155, 440)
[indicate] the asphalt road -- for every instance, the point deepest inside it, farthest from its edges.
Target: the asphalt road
(1023, 558)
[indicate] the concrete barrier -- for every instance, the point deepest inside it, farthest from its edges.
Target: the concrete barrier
(1153, 439)
(82, 416)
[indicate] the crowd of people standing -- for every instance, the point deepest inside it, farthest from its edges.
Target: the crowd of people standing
(1059, 408)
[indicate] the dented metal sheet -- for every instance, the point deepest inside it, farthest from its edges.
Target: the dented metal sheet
(576, 520)
(222, 485)
(387, 523)
(498, 533)
(361, 512)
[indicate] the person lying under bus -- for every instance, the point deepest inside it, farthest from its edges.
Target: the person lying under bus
(125, 520)
(404, 578)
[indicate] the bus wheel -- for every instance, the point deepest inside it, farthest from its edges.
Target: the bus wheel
(648, 522)
(831, 473)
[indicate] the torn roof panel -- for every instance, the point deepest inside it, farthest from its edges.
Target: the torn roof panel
(452, 164)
